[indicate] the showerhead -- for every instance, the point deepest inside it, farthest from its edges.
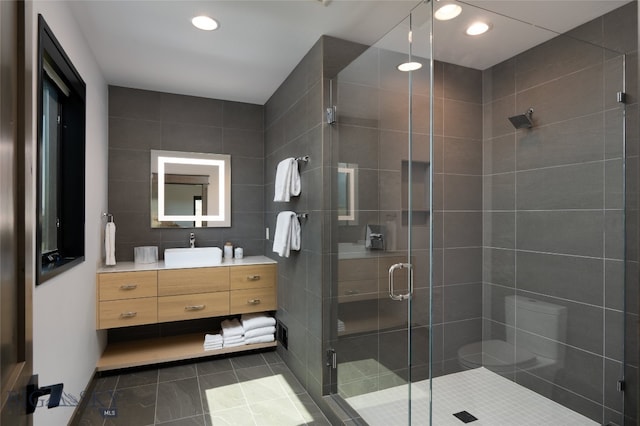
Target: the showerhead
(522, 121)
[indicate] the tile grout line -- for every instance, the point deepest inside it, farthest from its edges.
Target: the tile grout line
(204, 419)
(273, 374)
(155, 405)
(246, 400)
(115, 387)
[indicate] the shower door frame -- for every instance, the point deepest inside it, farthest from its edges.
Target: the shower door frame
(332, 357)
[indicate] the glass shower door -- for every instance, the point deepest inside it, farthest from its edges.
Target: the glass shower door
(381, 159)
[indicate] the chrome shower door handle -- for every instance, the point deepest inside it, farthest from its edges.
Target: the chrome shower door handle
(392, 270)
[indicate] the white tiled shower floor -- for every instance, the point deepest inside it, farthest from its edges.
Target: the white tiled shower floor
(492, 399)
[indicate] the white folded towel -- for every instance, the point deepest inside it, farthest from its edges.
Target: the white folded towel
(262, 331)
(212, 341)
(110, 244)
(234, 343)
(210, 347)
(234, 339)
(287, 180)
(212, 338)
(287, 235)
(260, 339)
(231, 328)
(252, 321)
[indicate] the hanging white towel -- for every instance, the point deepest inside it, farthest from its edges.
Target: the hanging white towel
(287, 235)
(287, 180)
(110, 244)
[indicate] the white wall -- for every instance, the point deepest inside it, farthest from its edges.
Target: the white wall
(66, 345)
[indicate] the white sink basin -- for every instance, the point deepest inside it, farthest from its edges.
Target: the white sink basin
(186, 257)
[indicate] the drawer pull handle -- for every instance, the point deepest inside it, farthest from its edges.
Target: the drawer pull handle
(253, 301)
(350, 292)
(128, 286)
(128, 314)
(253, 277)
(194, 307)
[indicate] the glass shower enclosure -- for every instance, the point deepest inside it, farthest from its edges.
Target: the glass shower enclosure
(480, 230)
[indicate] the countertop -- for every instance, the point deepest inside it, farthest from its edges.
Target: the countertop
(134, 267)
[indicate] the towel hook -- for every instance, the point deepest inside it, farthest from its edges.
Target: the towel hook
(304, 158)
(302, 215)
(109, 216)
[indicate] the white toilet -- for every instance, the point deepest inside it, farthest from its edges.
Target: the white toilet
(545, 325)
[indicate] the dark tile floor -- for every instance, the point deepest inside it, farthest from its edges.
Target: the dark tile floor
(253, 389)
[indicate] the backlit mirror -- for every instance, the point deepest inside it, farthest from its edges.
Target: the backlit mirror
(190, 190)
(347, 188)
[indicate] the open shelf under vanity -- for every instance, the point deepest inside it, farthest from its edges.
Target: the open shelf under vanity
(163, 349)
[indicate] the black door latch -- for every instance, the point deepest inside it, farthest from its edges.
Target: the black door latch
(34, 392)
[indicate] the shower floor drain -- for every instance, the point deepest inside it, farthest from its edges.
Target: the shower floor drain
(465, 417)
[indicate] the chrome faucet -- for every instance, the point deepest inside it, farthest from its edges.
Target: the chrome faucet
(192, 240)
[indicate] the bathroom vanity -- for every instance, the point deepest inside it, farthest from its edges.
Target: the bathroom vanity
(130, 294)
(363, 284)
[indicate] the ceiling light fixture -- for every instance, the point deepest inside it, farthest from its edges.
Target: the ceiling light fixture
(448, 11)
(409, 66)
(478, 28)
(205, 23)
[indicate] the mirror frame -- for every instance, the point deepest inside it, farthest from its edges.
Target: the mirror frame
(160, 159)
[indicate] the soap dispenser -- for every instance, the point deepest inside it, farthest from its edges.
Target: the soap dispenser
(228, 250)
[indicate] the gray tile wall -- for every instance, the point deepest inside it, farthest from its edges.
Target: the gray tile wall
(458, 195)
(293, 128)
(141, 120)
(553, 208)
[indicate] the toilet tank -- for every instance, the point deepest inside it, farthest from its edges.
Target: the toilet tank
(544, 325)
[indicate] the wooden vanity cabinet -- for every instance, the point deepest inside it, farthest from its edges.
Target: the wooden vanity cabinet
(193, 306)
(166, 295)
(147, 297)
(126, 299)
(193, 293)
(364, 282)
(253, 288)
(173, 282)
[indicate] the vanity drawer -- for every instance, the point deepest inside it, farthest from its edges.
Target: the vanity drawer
(252, 276)
(173, 282)
(253, 300)
(127, 312)
(127, 285)
(190, 306)
(357, 269)
(357, 290)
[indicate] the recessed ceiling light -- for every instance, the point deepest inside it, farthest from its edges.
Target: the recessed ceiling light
(409, 66)
(477, 28)
(448, 11)
(205, 23)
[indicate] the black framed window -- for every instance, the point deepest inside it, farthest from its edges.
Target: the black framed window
(61, 159)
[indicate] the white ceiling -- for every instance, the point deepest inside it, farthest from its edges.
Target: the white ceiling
(152, 45)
